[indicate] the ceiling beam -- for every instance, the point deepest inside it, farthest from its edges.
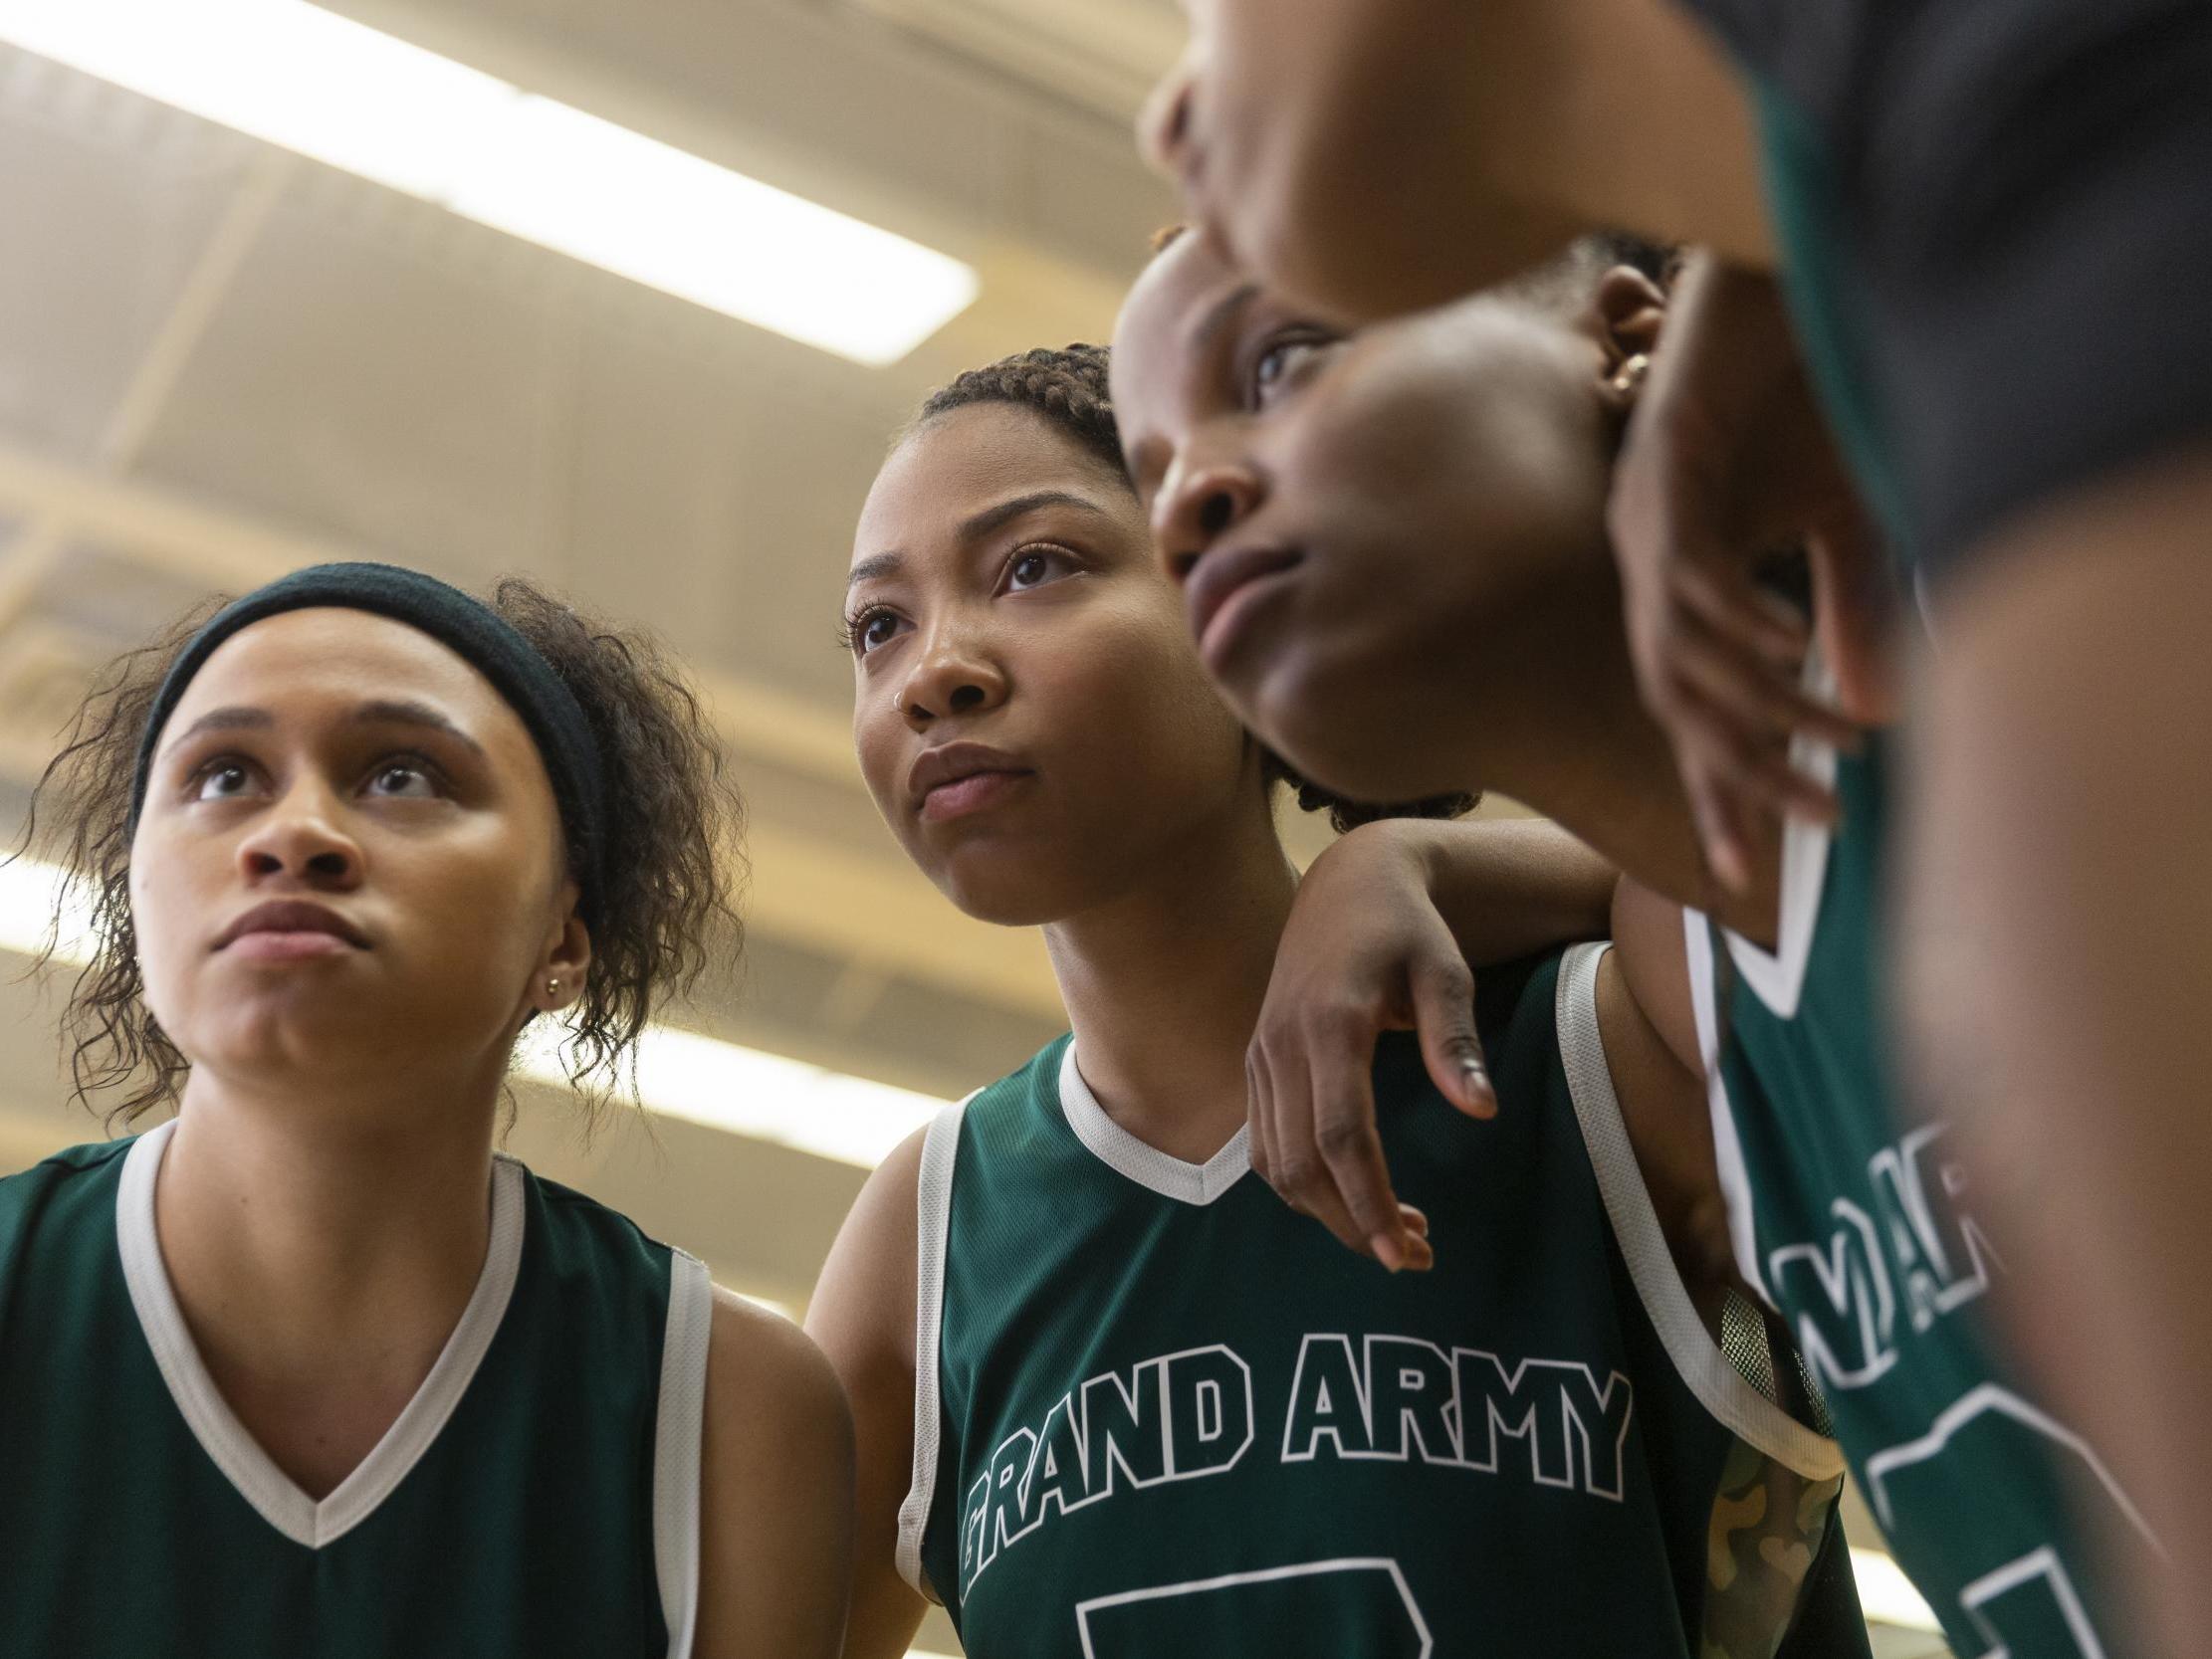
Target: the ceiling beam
(153, 382)
(225, 551)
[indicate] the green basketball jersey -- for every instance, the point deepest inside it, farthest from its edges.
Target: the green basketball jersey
(1824, 287)
(539, 1496)
(1857, 1225)
(1159, 1416)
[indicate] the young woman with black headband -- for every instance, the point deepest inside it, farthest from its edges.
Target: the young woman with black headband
(311, 1369)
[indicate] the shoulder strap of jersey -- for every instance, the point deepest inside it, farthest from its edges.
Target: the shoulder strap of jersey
(1704, 1367)
(1705, 965)
(678, 1442)
(934, 1219)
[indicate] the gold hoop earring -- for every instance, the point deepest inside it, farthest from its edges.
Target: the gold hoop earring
(1631, 372)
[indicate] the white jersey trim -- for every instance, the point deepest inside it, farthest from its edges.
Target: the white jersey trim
(1736, 1171)
(272, 1493)
(679, 1431)
(932, 1206)
(1148, 1165)
(1776, 976)
(1718, 1386)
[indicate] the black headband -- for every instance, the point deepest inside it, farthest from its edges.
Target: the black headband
(467, 626)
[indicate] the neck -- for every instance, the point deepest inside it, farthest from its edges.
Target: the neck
(1586, 754)
(1164, 984)
(322, 1249)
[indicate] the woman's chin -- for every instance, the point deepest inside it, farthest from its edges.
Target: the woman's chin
(1011, 884)
(1004, 900)
(1338, 735)
(296, 1035)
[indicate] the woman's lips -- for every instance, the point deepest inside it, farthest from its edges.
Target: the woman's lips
(1224, 588)
(283, 929)
(975, 792)
(288, 944)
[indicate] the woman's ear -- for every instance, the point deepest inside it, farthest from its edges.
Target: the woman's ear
(1627, 311)
(560, 973)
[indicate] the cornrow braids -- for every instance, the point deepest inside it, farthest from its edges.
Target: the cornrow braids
(1067, 387)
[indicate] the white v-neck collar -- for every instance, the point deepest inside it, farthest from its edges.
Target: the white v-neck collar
(1776, 976)
(1148, 1165)
(279, 1502)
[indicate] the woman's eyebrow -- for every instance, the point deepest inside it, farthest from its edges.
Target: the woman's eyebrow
(387, 712)
(868, 570)
(1006, 512)
(235, 718)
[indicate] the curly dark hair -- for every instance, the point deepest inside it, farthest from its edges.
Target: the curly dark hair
(1069, 389)
(672, 865)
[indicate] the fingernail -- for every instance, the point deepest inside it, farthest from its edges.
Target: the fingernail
(1386, 1251)
(1482, 1097)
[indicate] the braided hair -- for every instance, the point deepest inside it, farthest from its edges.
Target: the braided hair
(1069, 389)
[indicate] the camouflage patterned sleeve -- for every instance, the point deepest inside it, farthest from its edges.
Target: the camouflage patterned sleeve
(1778, 1578)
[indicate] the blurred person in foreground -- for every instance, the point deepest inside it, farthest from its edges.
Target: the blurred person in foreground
(1989, 218)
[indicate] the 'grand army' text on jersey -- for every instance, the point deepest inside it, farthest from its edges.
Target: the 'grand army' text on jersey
(1161, 1415)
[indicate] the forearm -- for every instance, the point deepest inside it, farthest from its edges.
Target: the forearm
(1335, 126)
(2056, 937)
(1509, 886)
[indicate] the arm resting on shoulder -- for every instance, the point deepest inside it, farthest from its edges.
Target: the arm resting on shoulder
(1385, 926)
(1509, 887)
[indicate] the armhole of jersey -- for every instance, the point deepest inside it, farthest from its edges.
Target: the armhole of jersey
(678, 1444)
(933, 1207)
(1735, 1175)
(1718, 1386)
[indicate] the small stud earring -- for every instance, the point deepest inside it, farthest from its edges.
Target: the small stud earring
(1631, 372)
(552, 988)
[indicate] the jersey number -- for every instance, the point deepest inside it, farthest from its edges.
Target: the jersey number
(1289, 1612)
(2031, 1603)
(2029, 1606)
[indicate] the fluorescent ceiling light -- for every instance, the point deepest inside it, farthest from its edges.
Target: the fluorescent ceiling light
(1887, 1596)
(681, 1074)
(346, 95)
(764, 1096)
(29, 894)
